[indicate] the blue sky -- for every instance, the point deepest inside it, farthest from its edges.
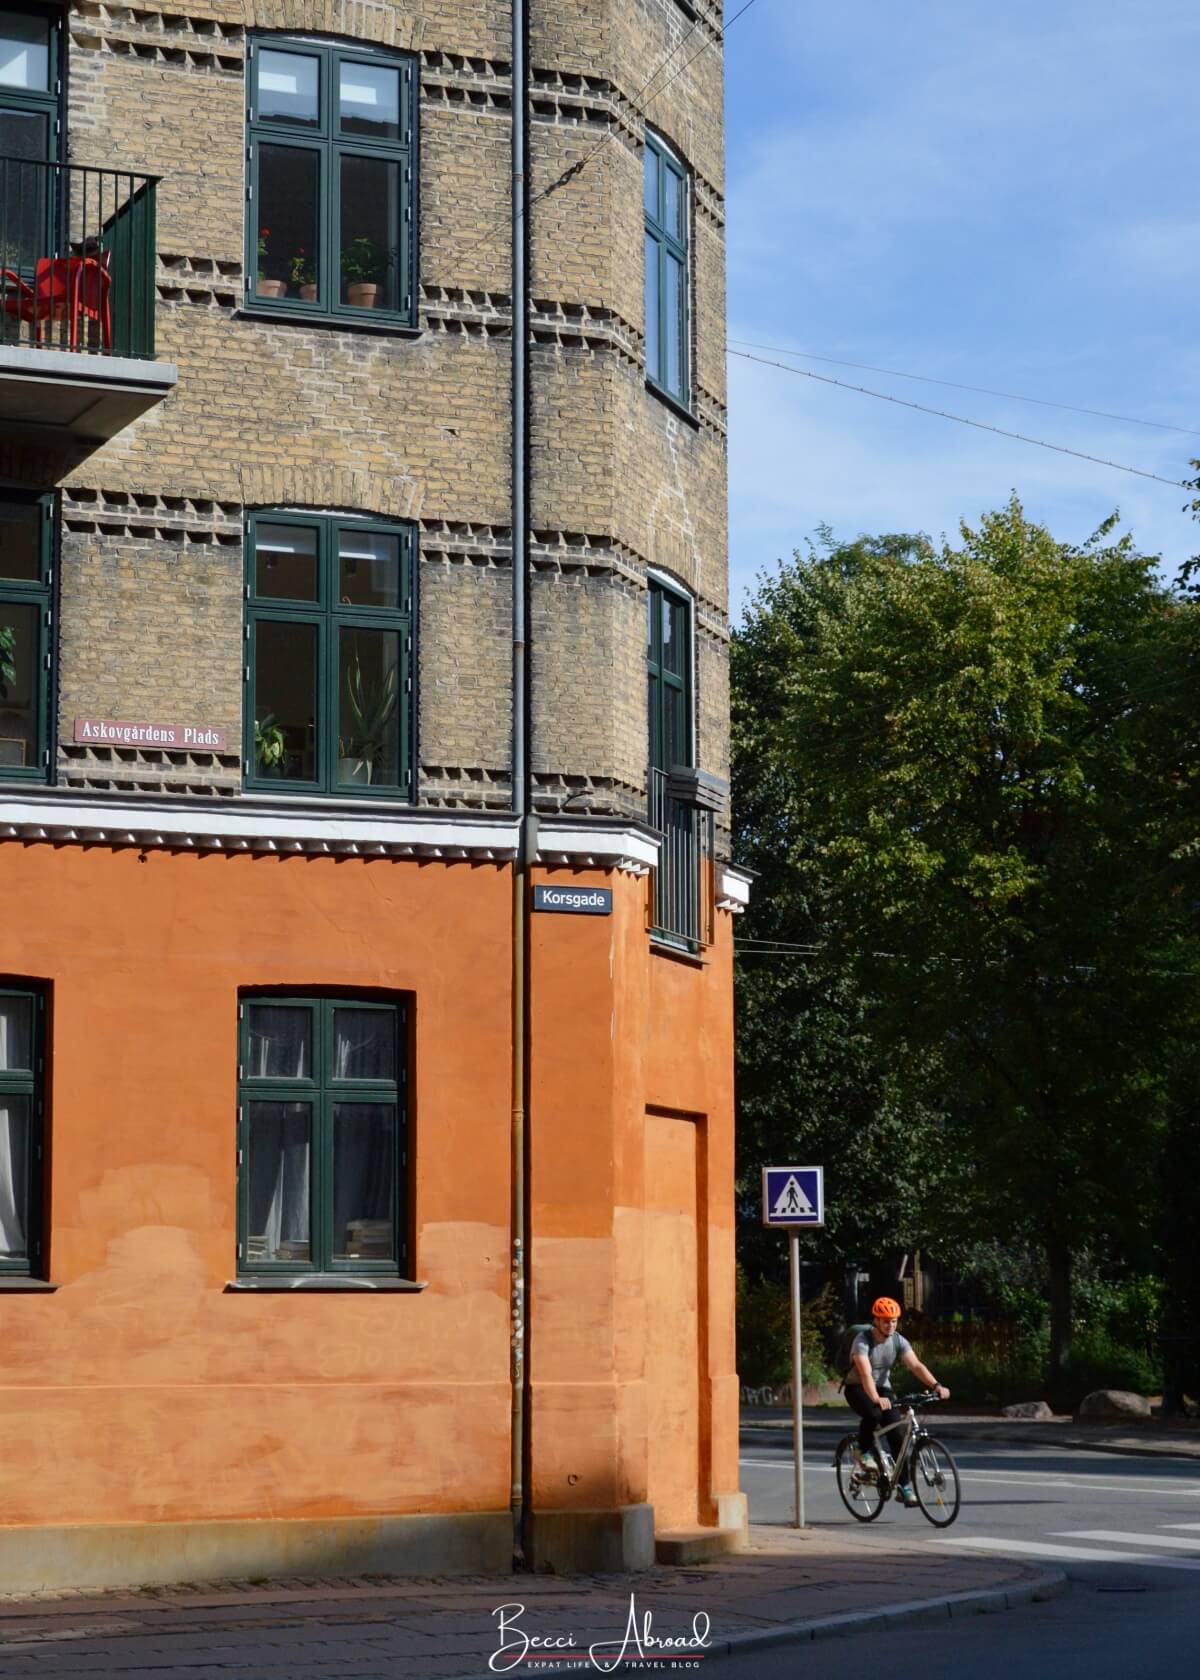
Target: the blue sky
(1001, 196)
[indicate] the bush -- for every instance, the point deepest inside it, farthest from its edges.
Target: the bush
(977, 1380)
(764, 1332)
(1098, 1360)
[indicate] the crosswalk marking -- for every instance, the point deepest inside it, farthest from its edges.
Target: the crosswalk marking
(1180, 1525)
(1122, 1537)
(1067, 1554)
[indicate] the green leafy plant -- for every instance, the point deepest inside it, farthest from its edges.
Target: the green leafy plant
(264, 234)
(8, 669)
(366, 263)
(371, 706)
(301, 268)
(269, 745)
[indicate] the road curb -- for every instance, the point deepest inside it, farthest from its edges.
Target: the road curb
(1002, 1437)
(1048, 1584)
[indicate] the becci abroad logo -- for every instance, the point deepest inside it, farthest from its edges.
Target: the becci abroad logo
(638, 1648)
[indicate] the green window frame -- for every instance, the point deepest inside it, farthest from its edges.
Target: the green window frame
(22, 1119)
(299, 1183)
(669, 661)
(667, 203)
(28, 101)
(26, 625)
(328, 144)
(675, 918)
(356, 738)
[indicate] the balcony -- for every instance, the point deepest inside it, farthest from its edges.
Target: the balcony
(681, 900)
(76, 301)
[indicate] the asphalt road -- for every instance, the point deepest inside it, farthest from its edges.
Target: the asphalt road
(1126, 1531)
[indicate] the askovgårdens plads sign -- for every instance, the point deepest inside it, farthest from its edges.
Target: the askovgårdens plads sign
(574, 901)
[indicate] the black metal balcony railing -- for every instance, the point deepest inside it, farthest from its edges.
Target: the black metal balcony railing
(76, 258)
(681, 901)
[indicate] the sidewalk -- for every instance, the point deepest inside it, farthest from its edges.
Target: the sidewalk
(791, 1586)
(1151, 1439)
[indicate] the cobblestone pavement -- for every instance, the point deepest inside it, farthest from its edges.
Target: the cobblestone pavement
(391, 1629)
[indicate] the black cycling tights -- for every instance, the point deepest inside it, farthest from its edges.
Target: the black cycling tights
(871, 1414)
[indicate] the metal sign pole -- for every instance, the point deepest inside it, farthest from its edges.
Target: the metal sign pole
(797, 1386)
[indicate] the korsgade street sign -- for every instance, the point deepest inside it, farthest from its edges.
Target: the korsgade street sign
(574, 901)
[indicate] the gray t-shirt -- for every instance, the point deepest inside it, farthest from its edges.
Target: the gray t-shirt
(882, 1355)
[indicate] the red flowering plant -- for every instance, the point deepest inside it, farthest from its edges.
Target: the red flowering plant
(264, 233)
(302, 271)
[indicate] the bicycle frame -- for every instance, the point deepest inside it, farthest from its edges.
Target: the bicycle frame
(914, 1434)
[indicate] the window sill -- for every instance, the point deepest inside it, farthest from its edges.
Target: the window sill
(15, 1285)
(328, 323)
(673, 403)
(660, 947)
(325, 1283)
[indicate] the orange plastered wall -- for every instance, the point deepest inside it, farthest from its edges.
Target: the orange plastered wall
(619, 1029)
(141, 1390)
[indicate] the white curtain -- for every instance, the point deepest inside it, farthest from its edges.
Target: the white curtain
(279, 1042)
(288, 1210)
(15, 1047)
(14, 1132)
(280, 1047)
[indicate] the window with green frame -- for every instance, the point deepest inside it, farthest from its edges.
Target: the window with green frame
(30, 131)
(329, 634)
(21, 1103)
(26, 551)
(322, 1135)
(668, 281)
(669, 671)
(676, 902)
(331, 223)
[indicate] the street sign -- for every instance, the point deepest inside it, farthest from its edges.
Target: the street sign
(574, 901)
(793, 1196)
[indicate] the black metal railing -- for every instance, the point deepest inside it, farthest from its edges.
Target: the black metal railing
(76, 258)
(681, 902)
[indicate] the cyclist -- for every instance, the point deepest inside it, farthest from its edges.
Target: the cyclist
(868, 1384)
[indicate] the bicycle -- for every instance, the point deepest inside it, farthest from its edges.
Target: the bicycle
(928, 1462)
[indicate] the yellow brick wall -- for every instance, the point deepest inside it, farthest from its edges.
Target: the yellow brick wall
(416, 426)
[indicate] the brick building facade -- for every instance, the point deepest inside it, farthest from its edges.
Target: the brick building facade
(259, 832)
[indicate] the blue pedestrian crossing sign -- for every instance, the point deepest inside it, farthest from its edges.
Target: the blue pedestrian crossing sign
(793, 1196)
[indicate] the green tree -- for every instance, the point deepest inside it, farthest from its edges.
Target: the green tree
(961, 777)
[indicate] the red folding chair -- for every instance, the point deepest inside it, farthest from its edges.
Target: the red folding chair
(67, 289)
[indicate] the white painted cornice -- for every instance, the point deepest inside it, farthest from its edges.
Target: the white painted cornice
(733, 888)
(309, 827)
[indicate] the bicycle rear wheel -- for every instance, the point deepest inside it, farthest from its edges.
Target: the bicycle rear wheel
(935, 1478)
(861, 1492)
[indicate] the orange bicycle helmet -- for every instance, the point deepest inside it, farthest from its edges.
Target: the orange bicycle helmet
(885, 1307)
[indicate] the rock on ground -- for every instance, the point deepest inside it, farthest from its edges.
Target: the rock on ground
(1114, 1403)
(1027, 1409)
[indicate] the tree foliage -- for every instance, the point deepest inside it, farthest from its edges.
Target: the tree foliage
(964, 773)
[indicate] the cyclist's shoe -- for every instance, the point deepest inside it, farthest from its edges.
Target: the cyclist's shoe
(865, 1461)
(905, 1490)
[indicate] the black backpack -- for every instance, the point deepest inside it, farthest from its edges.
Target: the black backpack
(842, 1358)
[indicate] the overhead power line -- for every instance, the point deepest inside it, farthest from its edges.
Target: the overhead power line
(979, 390)
(962, 420)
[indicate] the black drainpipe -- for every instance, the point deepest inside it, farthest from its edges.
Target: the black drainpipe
(521, 804)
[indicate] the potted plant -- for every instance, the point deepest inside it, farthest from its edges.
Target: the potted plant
(372, 706)
(263, 285)
(8, 669)
(364, 268)
(304, 275)
(270, 749)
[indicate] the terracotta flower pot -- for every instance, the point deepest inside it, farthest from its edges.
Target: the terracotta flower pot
(271, 288)
(362, 293)
(309, 293)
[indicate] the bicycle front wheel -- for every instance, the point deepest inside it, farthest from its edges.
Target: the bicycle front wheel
(861, 1492)
(936, 1482)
